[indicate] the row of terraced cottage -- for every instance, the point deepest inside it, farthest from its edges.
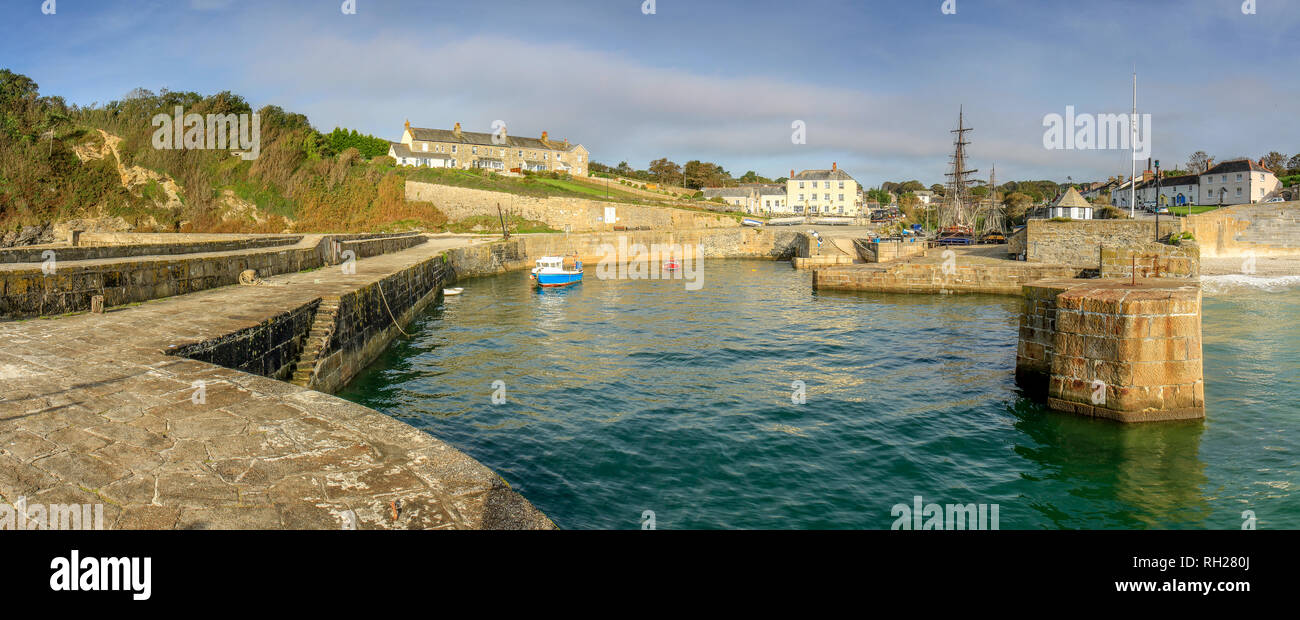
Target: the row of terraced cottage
(498, 151)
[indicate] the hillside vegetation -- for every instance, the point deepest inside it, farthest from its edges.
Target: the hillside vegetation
(60, 162)
(98, 166)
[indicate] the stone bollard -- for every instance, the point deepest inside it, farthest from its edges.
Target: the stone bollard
(97, 304)
(1111, 349)
(74, 238)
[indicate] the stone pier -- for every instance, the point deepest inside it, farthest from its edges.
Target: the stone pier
(1113, 349)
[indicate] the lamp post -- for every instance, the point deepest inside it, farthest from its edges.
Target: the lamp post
(1157, 200)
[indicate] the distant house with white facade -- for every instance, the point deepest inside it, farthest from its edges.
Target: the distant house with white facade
(823, 192)
(925, 196)
(1070, 204)
(453, 148)
(755, 198)
(1239, 181)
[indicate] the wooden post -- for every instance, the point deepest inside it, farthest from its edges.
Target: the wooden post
(97, 304)
(504, 231)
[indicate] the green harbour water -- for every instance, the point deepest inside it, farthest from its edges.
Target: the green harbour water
(623, 396)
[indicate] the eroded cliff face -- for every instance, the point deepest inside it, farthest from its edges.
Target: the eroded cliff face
(155, 192)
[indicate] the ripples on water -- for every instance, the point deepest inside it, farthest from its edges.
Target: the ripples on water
(625, 396)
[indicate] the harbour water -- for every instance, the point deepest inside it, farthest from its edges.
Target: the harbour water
(627, 396)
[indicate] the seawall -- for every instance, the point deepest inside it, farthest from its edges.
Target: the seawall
(574, 215)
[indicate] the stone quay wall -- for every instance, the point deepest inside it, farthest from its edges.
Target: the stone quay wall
(1270, 229)
(1158, 260)
(370, 317)
(1103, 348)
(887, 250)
(363, 248)
(574, 215)
(270, 348)
(82, 251)
(929, 278)
(26, 290)
(1078, 243)
(521, 250)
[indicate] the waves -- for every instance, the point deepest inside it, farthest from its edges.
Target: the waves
(1218, 285)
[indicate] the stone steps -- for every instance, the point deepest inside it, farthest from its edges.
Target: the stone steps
(318, 338)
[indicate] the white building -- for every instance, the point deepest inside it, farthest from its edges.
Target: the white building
(1071, 205)
(1239, 181)
(823, 192)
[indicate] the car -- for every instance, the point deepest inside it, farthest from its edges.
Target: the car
(1275, 199)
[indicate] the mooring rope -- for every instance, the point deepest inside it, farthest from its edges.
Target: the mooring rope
(390, 310)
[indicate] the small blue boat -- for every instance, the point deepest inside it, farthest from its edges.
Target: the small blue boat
(551, 272)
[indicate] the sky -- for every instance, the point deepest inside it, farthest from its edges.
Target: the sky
(876, 84)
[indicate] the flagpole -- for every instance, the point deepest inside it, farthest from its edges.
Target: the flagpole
(1132, 142)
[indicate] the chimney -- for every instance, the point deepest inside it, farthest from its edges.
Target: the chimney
(834, 166)
(792, 173)
(1209, 163)
(545, 138)
(456, 130)
(566, 144)
(408, 124)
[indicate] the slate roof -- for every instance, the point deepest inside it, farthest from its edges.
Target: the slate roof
(1237, 165)
(485, 139)
(401, 150)
(1071, 198)
(823, 175)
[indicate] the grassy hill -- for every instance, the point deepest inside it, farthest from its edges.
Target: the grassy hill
(99, 164)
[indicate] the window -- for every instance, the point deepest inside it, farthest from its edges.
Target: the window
(1238, 191)
(826, 184)
(473, 150)
(841, 184)
(426, 146)
(1239, 178)
(453, 149)
(800, 197)
(521, 153)
(841, 197)
(501, 152)
(828, 196)
(801, 187)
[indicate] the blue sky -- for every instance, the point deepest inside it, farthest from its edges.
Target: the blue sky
(878, 84)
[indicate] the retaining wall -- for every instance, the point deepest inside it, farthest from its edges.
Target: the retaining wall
(573, 215)
(1271, 229)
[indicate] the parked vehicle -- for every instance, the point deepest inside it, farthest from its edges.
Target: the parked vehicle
(1275, 199)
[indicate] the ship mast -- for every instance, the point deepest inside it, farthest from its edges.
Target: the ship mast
(957, 208)
(994, 219)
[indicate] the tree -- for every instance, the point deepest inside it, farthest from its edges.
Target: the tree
(1198, 163)
(700, 174)
(665, 172)
(1017, 204)
(1294, 164)
(1274, 161)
